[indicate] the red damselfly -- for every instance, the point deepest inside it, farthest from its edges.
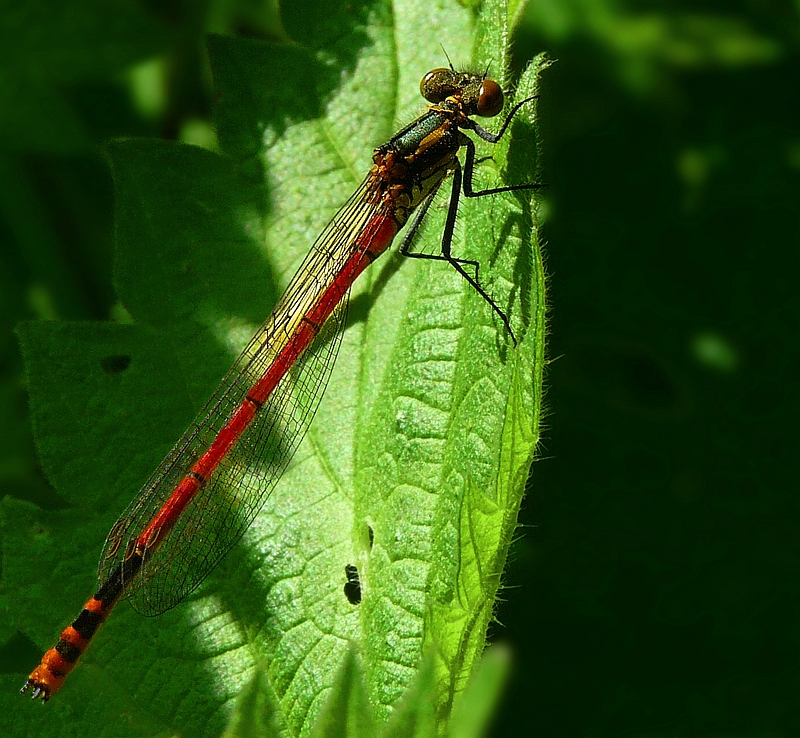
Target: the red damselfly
(213, 483)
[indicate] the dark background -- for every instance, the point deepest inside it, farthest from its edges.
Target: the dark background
(652, 591)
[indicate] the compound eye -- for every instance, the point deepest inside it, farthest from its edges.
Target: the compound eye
(434, 86)
(490, 99)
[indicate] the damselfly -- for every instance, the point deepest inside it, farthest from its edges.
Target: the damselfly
(213, 483)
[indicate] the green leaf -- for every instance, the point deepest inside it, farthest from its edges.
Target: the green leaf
(475, 706)
(415, 713)
(347, 712)
(414, 467)
(256, 713)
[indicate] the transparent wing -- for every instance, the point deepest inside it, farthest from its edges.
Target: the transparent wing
(231, 498)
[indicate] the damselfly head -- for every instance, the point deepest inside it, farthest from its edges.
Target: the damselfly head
(478, 94)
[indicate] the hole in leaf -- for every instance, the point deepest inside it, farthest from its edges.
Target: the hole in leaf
(352, 587)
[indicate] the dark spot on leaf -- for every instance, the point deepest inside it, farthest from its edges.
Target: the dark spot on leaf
(115, 364)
